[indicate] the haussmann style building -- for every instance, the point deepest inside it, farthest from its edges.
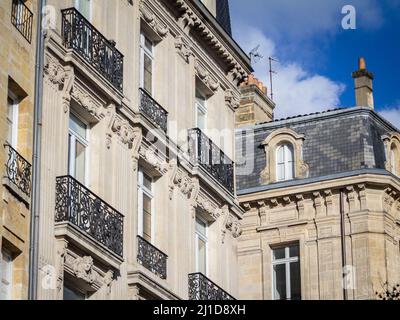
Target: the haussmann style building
(142, 160)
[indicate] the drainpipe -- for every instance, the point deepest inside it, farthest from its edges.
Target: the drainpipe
(37, 119)
(343, 240)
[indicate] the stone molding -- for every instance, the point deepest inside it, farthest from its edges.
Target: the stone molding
(183, 48)
(205, 76)
(148, 16)
(272, 142)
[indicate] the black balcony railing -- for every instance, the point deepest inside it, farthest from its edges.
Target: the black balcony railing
(75, 204)
(18, 170)
(202, 288)
(153, 111)
(152, 258)
(22, 19)
(81, 36)
(204, 152)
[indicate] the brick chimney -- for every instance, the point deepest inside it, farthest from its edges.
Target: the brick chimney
(363, 85)
(255, 106)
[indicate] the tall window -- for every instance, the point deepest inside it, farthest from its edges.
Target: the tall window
(6, 275)
(201, 111)
(284, 162)
(146, 63)
(78, 145)
(286, 273)
(85, 8)
(12, 120)
(146, 210)
(201, 246)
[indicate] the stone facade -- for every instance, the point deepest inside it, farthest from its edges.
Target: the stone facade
(127, 140)
(17, 79)
(332, 198)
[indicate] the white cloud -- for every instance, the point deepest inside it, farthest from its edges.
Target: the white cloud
(296, 91)
(392, 114)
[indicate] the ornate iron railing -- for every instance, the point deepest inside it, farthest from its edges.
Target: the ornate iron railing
(153, 111)
(22, 19)
(82, 208)
(152, 258)
(203, 151)
(18, 170)
(202, 288)
(81, 36)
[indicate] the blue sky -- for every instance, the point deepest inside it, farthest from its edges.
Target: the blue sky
(317, 56)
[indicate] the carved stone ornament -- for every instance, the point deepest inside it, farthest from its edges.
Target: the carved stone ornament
(190, 21)
(88, 102)
(149, 156)
(206, 77)
(154, 23)
(180, 179)
(61, 78)
(125, 132)
(184, 50)
(83, 269)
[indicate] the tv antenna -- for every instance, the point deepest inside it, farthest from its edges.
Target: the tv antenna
(271, 72)
(255, 56)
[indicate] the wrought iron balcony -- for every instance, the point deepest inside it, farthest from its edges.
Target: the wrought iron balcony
(18, 170)
(204, 152)
(152, 258)
(202, 288)
(76, 205)
(81, 36)
(22, 19)
(153, 111)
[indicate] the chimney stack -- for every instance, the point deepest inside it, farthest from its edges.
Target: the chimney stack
(363, 85)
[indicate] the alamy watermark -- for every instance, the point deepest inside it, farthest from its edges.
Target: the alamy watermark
(349, 21)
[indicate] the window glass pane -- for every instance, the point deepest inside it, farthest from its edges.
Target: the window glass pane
(147, 181)
(147, 217)
(148, 44)
(280, 282)
(279, 253)
(71, 294)
(280, 172)
(295, 285)
(148, 73)
(80, 161)
(201, 227)
(201, 120)
(294, 251)
(77, 126)
(281, 155)
(201, 256)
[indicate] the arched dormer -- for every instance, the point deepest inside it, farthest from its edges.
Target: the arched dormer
(284, 154)
(392, 152)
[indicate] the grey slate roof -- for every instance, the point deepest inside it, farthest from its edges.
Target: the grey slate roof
(223, 15)
(336, 141)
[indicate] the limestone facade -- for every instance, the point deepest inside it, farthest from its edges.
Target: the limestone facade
(126, 144)
(17, 79)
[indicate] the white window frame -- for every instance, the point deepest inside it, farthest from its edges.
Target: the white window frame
(198, 236)
(150, 53)
(77, 2)
(9, 266)
(143, 190)
(73, 137)
(288, 164)
(15, 115)
(285, 261)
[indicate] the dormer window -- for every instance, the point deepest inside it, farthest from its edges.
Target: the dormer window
(284, 157)
(392, 152)
(284, 162)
